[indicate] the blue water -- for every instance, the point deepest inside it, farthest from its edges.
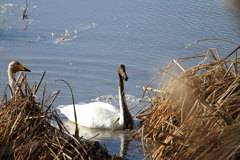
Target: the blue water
(83, 42)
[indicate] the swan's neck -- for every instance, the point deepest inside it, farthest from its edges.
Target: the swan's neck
(122, 101)
(12, 80)
(125, 117)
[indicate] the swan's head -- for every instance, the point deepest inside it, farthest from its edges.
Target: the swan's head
(122, 72)
(15, 66)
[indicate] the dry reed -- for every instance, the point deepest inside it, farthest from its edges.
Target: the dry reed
(26, 130)
(195, 115)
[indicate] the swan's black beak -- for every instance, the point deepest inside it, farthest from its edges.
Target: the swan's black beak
(27, 70)
(122, 72)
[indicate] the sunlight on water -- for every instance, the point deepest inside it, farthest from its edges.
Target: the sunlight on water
(70, 35)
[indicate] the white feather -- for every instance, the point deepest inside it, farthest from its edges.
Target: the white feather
(93, 115)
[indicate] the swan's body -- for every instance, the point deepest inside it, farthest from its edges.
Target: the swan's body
(93, 115)
(103, 115)
(13, 68)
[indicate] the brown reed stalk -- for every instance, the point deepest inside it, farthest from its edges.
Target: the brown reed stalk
(26, 130)
(196, 114)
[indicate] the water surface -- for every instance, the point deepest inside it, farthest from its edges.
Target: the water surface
(83, 42)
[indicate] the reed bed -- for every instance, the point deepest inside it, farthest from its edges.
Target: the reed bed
(26, 130)
(195, 113)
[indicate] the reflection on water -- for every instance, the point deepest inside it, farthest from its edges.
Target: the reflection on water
(120, 138)
(96, 134)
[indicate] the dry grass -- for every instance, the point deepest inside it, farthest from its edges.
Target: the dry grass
(196, 113)
(26, 131)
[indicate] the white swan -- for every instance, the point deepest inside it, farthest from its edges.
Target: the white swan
(13, 68)
(103, 115)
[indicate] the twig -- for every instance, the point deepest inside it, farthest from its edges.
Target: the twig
(152, 89)
(232, 52)
(24, 14)
(179, 65)
(208, 39)
(35, 91)
(74, 108)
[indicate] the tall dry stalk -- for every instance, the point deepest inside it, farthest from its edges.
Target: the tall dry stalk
(192, 116)
(26, 130)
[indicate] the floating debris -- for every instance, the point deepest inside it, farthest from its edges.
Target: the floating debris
(70, 35)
